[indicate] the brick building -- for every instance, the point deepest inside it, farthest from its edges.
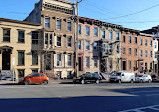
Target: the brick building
(137, 51)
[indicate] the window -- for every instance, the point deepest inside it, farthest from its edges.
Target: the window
(21, 73)
(34, 37)
(151, 66)
(95, 62)
(69, 75)
(69, 41)
(110, 63)
(69, 60)
(141, 42)
(110, 35)
(68, 26)
(95, 46)
(123, 38)
(46, 38)
(129, 51)
(95, 32)
(58, 41)
(79, 44)
(34, 58)
(140, 53)
(145, 67)
(135, 52)
(47, 22)
(129, 65)
(151, 43)
(117, 36)
(117, 49)
(156, 54)
(58, 59)
(87, 45)
(58, 24)
(20, 57)
(151, 54)
(21, 37)
(145, 53)
(129, 39)
(135, 40)
(79, 29)
(103, 34)
(124, 50)
(87, 61)
(145, 42)
(50, 39)
(6, 35)
(135, 65)
(155, 44)
(87, 31)
(59, 73)
(35, 71)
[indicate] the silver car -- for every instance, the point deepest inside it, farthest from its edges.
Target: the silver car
(144, 78)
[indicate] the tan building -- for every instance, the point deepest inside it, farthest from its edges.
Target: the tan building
(137, 51)
(58, 36)
(18, 48)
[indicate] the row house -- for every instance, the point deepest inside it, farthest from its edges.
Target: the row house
(137, 51)
(96, 39)
(57, 53)
(155, 32)
(18, 48)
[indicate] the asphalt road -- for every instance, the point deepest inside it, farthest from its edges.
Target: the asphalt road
(104, 97)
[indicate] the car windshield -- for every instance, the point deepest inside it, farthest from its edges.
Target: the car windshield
(116, 74)
(29, 75)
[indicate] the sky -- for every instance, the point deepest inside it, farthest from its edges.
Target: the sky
(134, 14)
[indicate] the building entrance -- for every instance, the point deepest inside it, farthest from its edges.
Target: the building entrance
(6, 60)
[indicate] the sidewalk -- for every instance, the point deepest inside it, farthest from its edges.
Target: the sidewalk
(57, 81)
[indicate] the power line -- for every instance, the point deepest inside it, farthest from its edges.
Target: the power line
(14, 12)
(139, 22)
(134, 12)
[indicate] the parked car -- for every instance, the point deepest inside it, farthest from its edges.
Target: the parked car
(143, 78)
(35, 78)
(90, 77)
(121, 76)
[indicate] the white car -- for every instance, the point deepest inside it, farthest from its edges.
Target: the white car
(144, 78)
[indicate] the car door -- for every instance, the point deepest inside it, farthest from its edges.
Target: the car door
(122, 77)
(35, 78)
(89, 77)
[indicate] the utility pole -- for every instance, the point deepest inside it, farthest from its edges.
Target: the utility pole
(76, 45)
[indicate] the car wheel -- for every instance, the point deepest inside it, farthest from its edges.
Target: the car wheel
(82, 81)
(27, 82)
(45, 82)
(97, 81)
(149, 81)
(141, 81)
(119, 81)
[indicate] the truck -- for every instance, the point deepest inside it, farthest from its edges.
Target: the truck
(122, 76)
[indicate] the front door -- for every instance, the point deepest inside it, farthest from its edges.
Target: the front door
(6, 60)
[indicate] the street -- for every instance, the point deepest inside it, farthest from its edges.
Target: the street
(103, 97)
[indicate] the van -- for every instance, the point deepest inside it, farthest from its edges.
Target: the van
(121, 76)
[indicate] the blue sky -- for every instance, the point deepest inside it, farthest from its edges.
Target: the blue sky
(97, 9)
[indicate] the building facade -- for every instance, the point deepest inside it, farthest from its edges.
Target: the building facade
(18, 43)
(58, 36)
(137, 51)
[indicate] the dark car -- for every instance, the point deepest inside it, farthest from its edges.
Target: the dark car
(90, 77)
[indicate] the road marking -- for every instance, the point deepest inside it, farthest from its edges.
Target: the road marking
(144, 91)
(141, 109)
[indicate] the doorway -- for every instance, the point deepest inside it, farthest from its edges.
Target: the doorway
(6, 60)
(124, 65)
